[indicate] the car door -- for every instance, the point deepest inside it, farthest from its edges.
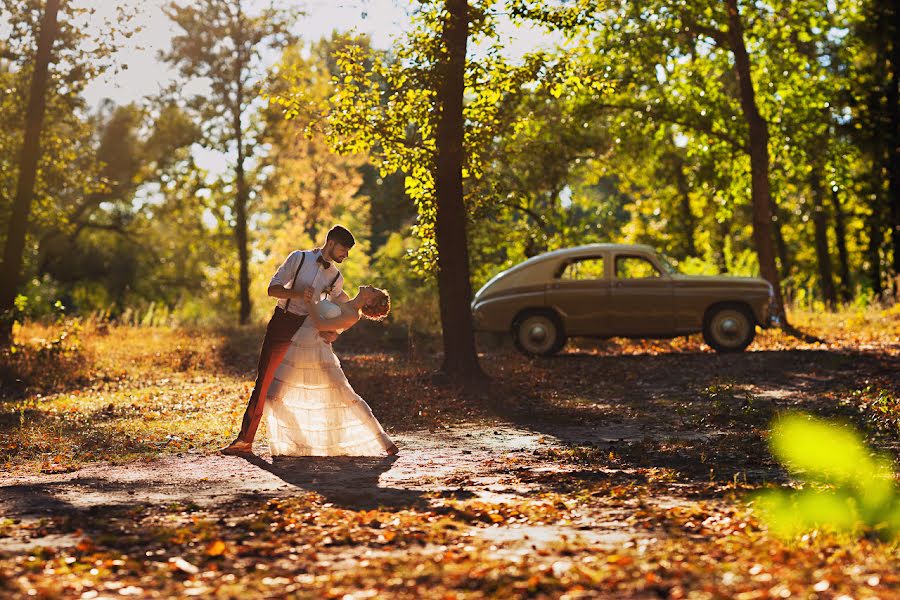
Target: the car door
(579, 292)
(641, 298)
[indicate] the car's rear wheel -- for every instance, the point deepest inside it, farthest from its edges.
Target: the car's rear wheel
(729, 328)
(539, 334)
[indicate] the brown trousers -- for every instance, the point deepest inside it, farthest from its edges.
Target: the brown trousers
(282, 327)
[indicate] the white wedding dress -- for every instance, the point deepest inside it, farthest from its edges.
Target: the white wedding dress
(311, 409)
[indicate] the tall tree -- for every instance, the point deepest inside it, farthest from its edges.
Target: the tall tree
(220, 42)
(34, 120)
(454, 285)
(876, 100)
(409, 113)
(733, 39)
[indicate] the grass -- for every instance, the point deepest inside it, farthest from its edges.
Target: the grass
(124, 392)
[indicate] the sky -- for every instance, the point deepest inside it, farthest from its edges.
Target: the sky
(382, 20)
(146, 74)
(140, 73)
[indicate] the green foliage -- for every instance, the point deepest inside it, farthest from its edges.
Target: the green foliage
(385, 105)
(629, 131)
(414, 300)
(68, 169)
(307, 187)
(846, 487)
(672, 140)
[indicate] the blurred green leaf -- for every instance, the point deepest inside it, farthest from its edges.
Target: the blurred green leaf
(862, 494)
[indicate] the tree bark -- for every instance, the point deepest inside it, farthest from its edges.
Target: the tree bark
(876, 239)
(722, 231)
(13, 252)
(240, 228)
(893, 143)
(784, 258)
(876, 221)
(820, 234)
(760, 191)
(455, 289)
(688, 221)
(840, 235)
(240, 201)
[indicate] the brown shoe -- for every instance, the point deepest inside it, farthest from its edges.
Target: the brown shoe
(393, 450)
(237, 448)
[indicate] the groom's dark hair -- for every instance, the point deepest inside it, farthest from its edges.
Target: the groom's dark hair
(341, 236)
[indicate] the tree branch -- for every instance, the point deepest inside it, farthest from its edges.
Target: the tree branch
(542, 223)
(719, 36)
(668, 118)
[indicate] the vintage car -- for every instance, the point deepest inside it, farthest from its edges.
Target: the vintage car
(607, 290)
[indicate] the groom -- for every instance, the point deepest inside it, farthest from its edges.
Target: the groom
(303, 275)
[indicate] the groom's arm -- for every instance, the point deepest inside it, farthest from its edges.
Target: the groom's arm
(285, 274)
(283, 293)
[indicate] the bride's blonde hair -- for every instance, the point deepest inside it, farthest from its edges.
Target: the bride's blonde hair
(379, 307)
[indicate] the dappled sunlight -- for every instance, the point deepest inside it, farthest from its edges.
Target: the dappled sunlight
(643, 334)
(584, 470)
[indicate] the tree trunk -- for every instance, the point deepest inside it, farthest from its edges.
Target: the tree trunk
(876, 238)
(688, 222)
(760, 191)
(240, 201)
(840, 235)
(454, 286)
(820, 233)
(240, 229)
(875, 221)
(722, 231)
(784, 259)
(13, 252)
(893, 143)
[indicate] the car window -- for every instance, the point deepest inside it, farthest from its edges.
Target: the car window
(668, 263)
(584, 269)
(635, 267)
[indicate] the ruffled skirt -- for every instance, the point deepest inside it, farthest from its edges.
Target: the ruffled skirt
(312, 410)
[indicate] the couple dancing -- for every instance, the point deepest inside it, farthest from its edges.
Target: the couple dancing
(310, 408)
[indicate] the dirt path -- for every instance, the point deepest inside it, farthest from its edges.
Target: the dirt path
(468, 461)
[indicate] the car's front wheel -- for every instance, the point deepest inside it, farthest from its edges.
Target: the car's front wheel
(729, 328)
(539, 334)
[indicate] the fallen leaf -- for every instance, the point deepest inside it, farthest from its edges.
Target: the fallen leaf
(215, 548)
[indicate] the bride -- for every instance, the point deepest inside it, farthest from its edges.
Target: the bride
(311, 409)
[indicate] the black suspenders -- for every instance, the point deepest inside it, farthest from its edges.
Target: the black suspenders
(297, 272)
(294, 282)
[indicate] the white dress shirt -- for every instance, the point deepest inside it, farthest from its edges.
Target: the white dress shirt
(312, 274)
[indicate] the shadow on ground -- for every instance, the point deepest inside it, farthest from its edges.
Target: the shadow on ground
(699, 417)
(345, 481)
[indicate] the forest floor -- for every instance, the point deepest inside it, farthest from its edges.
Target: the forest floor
(617, 469)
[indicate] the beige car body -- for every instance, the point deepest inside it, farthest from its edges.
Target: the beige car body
(663, 305)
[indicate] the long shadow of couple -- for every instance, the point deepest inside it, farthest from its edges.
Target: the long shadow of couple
(346, 481)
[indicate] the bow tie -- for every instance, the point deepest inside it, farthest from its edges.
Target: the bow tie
(325, 264)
